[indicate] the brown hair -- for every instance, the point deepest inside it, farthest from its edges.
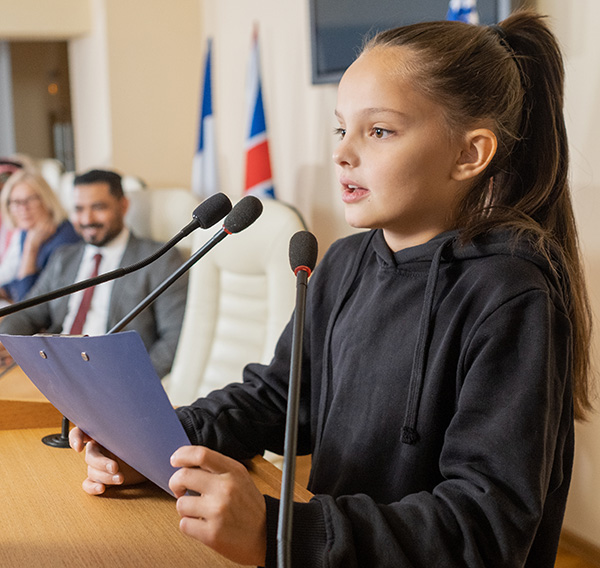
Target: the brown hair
(510, 77)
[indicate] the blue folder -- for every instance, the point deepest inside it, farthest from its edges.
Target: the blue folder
(108, 387)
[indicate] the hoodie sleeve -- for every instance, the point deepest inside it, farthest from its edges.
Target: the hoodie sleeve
(505, 464)
(242, 420)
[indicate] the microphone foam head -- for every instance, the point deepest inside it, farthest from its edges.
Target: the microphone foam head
(212, 210)
(245, 212)
(303, 251)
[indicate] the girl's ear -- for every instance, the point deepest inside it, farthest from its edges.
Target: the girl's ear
(478, 150)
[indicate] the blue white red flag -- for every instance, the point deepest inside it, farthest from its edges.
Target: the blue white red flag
(259, 181)
(463, 11)
(205, 178)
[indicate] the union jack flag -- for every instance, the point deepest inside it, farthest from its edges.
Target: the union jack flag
(259, 181)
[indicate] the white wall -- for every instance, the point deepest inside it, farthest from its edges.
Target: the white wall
(154, 61)
(575, 24)
(90, 92)
(135, 80)
(32, 19)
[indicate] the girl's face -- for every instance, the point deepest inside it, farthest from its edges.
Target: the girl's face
(395, 158)
(26, 207)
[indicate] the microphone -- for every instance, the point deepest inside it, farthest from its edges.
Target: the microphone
(245, 212)
(303, 258)
(209, 212)
(303, 252)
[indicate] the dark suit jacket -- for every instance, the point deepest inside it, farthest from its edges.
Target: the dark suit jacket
(158, 325)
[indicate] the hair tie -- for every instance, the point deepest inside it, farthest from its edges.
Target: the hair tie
(498, 30)
(501, 34)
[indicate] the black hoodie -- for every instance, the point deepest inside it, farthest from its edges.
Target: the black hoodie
(436, 403)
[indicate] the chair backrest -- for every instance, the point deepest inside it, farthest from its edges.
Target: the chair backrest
(240, 297)
(160, 214)
(51, 171)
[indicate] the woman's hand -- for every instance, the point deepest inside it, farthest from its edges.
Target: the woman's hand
(42, 231)
(228, 513)
(36, 237)
(104, 469)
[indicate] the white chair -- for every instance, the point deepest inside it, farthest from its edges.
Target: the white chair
(240, 297)
(65, 190)
(51, 171)
(160, 214)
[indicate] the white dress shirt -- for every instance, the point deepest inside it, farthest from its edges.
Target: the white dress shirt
(96, 322)
(9, 267)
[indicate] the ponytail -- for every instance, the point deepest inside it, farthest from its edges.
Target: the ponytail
(537, 178)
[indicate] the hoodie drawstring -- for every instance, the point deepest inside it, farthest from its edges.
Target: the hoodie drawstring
(409, 433)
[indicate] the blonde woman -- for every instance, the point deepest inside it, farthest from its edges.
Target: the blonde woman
(31, 207)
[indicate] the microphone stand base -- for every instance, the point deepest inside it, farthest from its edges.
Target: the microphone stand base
(59, 440)
(56, 441)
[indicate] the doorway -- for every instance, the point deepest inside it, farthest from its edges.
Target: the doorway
(41, 100)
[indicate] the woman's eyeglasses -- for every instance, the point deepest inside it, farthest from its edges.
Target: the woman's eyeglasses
(16, 203)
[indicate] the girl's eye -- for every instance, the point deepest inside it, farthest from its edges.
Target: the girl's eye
(340, 132)
(381, 132)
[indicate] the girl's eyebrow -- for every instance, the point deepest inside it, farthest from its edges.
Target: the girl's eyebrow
(376, 110)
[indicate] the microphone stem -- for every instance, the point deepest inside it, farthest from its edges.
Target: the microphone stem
(284, 526)
(218, 237)
(112, 275)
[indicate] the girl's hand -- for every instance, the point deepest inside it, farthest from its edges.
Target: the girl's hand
(104, 469)
(229, 512)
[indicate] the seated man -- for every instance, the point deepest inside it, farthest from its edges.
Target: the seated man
(99, 210)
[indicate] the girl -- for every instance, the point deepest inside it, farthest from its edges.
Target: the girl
(446, 349)
(30, 206)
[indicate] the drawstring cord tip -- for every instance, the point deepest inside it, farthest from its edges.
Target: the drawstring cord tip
(409, 436)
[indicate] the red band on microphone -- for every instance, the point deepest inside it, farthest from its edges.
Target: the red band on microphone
(305, 268)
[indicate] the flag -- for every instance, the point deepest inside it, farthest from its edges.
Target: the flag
(259, 180)
(205, 178)
(463, 11)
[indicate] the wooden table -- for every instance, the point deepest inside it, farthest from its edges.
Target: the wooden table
(22, 405)
(48, 520)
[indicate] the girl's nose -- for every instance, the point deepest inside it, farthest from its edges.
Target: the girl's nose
(345, 154)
